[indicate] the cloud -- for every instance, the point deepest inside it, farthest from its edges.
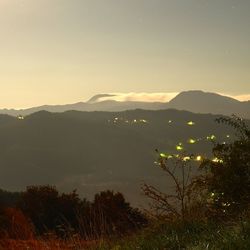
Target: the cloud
(140, 97)
(242, 97)
(245, 97)
(156, 97)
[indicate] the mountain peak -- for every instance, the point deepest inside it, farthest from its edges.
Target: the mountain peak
(199, 96)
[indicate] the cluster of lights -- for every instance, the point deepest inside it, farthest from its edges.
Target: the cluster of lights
(189, 123)
(211, 137)
(119, 120)
(20, 117)
(179, 147)
(216, 160)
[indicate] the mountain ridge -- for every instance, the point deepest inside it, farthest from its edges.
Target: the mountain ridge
(194, 101)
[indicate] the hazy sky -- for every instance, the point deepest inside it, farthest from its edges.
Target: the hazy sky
(64, 51)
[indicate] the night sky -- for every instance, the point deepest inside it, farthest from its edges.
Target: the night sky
(65, 51)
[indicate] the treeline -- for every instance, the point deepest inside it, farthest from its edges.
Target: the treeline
(42, 210)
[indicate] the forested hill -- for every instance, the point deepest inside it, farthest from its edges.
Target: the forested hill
(93, 151)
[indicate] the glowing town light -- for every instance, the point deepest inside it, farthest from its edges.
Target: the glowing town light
(212, 194)
(217, 160)
(135, 121)
(179, 147)
(20, 117)
(170, 121)
(199, 158)
(163, 155)
(212, 137)
(228, 136)
(144, 121)
(116, 118)
(191, 123)
(186, 158)
(191, 141)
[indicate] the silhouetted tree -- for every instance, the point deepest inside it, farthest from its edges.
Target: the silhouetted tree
(228, 173)
(111, 214)
(176, 204)
(50, 210)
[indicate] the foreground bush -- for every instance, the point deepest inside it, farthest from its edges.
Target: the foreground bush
(15, 225)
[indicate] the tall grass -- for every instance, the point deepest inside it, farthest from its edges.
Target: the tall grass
(190, 236)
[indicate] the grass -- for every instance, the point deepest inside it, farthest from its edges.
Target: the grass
(157, 236)
(46, 244)
(191, 236)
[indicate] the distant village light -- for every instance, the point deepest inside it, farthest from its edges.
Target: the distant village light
(163, 155)
(191, 141)
(179, 147)
(191, 123)
(186, 158)
(20, 117)
(198, 158)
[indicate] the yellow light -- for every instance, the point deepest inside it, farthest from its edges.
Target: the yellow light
(179, 147)
(191, 141)
(186, 158)
(212, 137)
(20, 117)
(198, 158)
(191, 123)
(217, 160)
(163, 155)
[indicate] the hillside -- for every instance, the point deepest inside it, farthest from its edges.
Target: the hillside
(93, 151)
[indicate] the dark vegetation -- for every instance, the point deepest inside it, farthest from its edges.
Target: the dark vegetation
(42, 209)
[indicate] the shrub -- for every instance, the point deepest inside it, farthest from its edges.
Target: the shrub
(15, 225)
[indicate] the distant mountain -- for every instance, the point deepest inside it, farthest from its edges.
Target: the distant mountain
(93, 151)
(91, 105)
(202, 102)
(193, 101)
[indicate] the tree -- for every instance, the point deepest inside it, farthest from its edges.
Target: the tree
(51, 211)
(228, 173)
(177, 204)
(111, 214)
